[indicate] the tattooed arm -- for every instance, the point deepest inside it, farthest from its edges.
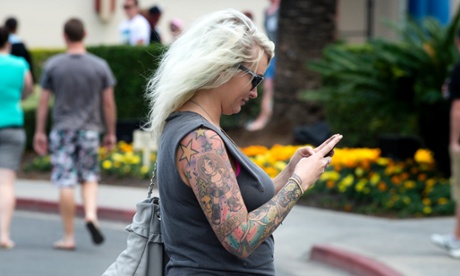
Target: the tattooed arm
(204, 165)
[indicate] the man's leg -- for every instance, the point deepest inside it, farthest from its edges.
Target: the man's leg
(457, 222)
(89, 195)
(88, 171)
(266, 108)
(7, 205)
(67, 210)
(451, 242)
(63, 176)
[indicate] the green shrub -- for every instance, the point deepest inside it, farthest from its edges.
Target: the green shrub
(132, 67)
(384, 86)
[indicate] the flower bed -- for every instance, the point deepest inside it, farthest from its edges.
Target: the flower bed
(357, 180)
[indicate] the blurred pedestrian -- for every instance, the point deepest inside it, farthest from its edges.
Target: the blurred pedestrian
(15, 84)
(18, 47)
(451, 242)
(82, 85)
(135, 29)
(153, 16)
(266, 107)
(175, 27)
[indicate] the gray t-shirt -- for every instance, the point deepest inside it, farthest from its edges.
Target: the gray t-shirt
(77, 81)
(190, 242)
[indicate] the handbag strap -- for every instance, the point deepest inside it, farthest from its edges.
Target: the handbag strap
(153, 181)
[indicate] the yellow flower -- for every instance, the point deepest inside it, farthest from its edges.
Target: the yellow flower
(424, 156)
(144, 169)
(348, 180)
(426, 201)
(442, 201)
(430, 182)
(359, 172)
(406, 200)
(135, 160)
(280, 165)
(360, 185)
(375, 178)
(409, 184)
(118, 157)
(125, 147)
(271, 171)
(254, 150)
(107, 164)
(282, 153)
(330, 175)
(427, 210)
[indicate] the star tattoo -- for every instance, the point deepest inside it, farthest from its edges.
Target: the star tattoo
(187, 152)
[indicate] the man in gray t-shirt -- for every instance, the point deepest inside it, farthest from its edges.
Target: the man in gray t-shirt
(82, 86)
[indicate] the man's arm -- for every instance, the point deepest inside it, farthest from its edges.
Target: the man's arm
(40, 139)
(110, 117)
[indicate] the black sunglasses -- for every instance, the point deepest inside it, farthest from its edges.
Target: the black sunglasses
(256, 78)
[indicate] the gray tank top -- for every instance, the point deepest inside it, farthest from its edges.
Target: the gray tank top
(190, 242)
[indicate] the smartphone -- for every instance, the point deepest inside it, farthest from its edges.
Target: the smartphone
(330, 152)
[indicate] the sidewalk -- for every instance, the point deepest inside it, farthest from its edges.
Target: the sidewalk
(357, 244)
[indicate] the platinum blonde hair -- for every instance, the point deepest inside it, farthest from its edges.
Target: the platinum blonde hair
(203, 57)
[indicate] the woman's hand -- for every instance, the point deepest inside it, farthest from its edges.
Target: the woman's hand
(312, 163)
(308, 151)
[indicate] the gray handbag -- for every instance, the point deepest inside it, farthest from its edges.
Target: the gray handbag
(144, 254)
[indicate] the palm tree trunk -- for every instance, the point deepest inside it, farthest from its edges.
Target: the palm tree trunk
(305, 28)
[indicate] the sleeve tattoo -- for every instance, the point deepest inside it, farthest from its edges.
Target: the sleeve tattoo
(203, 159)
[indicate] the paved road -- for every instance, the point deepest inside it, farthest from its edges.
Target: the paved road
(402, 244)
(34, 233)
(33, 255)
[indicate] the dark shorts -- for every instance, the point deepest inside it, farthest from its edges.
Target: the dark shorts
(12, 144)
(74, 157)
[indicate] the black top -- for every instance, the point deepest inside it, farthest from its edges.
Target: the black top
(20, 50)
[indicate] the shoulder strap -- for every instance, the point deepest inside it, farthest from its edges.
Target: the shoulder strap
(153, 181)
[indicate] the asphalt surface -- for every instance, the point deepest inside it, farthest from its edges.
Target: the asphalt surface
(347, 244)
(33, 254)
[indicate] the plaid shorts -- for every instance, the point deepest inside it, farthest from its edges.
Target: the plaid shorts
(74, 157)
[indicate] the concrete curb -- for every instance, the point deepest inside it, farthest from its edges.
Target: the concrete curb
(104, 213)
(350, 262)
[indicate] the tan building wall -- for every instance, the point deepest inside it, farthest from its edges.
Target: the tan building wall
(352, 18)
(41, 21)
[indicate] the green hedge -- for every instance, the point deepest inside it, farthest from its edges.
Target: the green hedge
(132, 67)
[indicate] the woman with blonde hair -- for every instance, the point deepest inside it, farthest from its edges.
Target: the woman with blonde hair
(219, 209)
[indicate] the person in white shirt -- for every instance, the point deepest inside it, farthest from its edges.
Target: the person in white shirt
(135, 30)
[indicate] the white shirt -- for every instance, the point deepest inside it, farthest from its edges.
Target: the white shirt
(135, 29)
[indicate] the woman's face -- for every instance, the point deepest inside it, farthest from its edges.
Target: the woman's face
(237, 91)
